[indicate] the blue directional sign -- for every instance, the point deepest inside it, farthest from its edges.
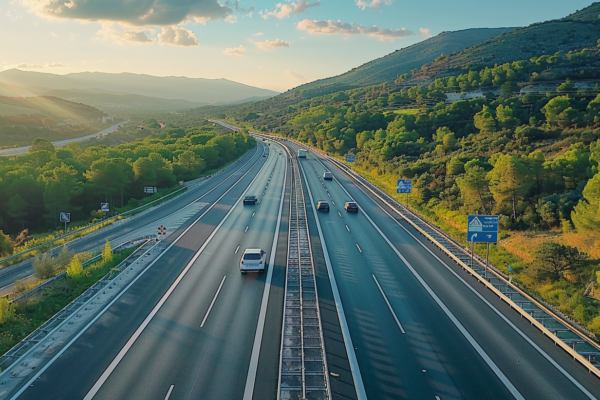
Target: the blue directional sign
(65, 217)
(104, 207)
(482, 229)
(404, 186)
(350, 158)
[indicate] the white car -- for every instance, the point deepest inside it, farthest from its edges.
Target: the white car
(253, 260)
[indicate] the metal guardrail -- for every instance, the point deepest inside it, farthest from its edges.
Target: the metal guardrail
(303, 370)
(552, 323)
(53, 323)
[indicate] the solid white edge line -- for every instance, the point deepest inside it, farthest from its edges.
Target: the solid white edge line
(68, 345)
(507, 383)
(354, 368)
(212, 303)
(113, 365)
(260, 327)
(513, 326)
(236, 250)
(388, 304)
(169, 392)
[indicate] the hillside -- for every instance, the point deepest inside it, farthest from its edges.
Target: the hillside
(196, 90)
(387, 68)
(577, 31)
(51, 107)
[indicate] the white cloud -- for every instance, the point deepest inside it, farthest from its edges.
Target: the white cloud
(425, 32)
(110, 31)
(232, 19)
(284, 10)
(372, 4)
(35, 66)
(235, 51)
(132, 12)
(175, 36)
(258, 34)
(271, 44)
(342, 28)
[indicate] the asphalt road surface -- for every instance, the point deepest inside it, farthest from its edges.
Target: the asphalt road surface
(61, 143)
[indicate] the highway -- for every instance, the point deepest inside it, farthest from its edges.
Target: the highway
(15, 151)
(400, 319)
(421, 327)
(204, 192)
(187, 327)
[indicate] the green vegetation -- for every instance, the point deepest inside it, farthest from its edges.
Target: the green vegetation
(35, 187)
(22, 318)
(532, 158)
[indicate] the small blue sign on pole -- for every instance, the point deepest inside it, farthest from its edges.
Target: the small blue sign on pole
(482, 229)
(65, 217)
(404, 186)
(350, 157)
(104, 207)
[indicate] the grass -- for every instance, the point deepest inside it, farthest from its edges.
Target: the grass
(7, 109)
(24, 317)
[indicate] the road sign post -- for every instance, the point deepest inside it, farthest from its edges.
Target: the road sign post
(66, 218)
(404, 186)
(482, 229)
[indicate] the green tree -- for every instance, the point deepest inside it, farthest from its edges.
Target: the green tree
(474, 190)
(553, 260)
(107, 253)
(75, 269)
(41, 144)
(43, 266)
(557, 111)
(455, 166)
(6, 245)
(16, 208)
(484, 120)
(110, 176)
(508, 182)
(504, 115)
(586, 214)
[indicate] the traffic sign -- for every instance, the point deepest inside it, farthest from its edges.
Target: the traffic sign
(162, 230)
(65, 217)
(482, 229)
(350, 157)
(104, 207)
(404, 186)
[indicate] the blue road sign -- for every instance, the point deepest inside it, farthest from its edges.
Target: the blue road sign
(350, 158)
(104, 207)
(65, 217)
(404, 186)
(482, 229)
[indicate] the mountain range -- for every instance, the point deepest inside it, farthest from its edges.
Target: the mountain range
(112, 92)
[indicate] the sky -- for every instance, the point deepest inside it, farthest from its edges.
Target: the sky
(272, 44)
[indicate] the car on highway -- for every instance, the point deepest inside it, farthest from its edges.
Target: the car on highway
(253, 260)
(327, 175)
(322, 205)
(351, 206)
(250, 200)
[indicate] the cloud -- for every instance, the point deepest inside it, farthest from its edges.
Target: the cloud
(342, 28)
(35, 66)
(132, 12)
(258, 34)
(232, 19)
(235, 51)
(372, 4)
(112, 32)
(295, 78)
(175, 36)
(425, 32)
(284, 10)
(271, 44)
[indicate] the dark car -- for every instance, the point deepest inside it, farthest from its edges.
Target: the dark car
(351, 206)
(323, 206)
(251, 199)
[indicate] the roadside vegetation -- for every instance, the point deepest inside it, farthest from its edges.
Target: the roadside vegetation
(36, 187)
(17, 320)
(531, 157)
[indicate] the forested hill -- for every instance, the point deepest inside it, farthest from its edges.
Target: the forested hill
(387, 69)
(576, 31)
(48, 106)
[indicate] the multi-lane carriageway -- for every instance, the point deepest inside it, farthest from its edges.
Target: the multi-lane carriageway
(398, 319)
